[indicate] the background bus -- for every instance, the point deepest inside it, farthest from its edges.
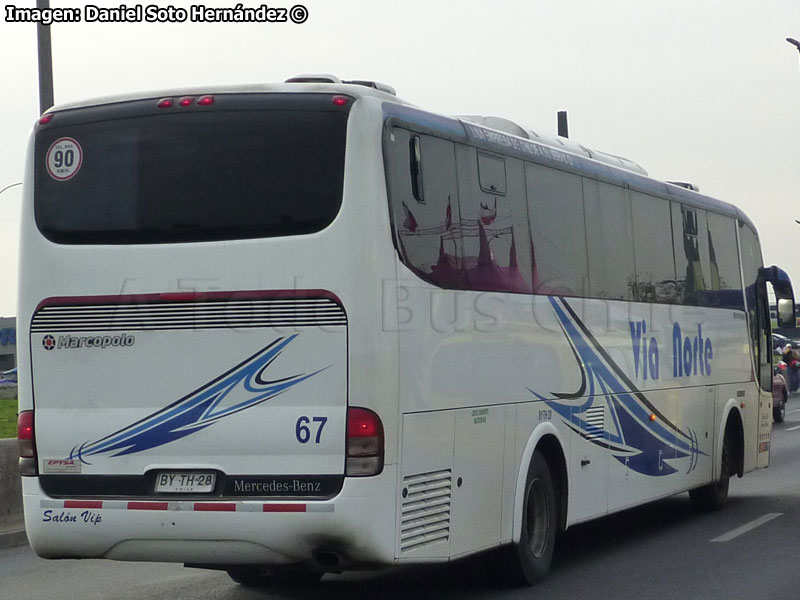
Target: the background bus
(306, 327)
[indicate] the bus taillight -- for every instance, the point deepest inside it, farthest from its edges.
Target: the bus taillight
(364, 443)
(27, 443)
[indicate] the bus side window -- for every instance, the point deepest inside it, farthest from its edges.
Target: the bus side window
(655, 268)
(609, 236)
(725, 285)
(492, 174)
(757, 305)
(416, 169)
(494, 221)
(428, 234)
(558, 231)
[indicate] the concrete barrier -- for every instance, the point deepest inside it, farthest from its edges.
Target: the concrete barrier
(10, 484)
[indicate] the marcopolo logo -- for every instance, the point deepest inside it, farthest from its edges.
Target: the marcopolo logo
(71, 342)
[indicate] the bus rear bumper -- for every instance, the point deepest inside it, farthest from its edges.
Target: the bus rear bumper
(357, 526)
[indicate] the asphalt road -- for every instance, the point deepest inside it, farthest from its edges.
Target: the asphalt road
(664, 550)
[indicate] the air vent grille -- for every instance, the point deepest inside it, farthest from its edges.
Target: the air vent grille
(595, 422)
(425, 518)
(210, 314)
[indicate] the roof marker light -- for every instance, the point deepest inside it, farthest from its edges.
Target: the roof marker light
(166, 103)
(206, 101)
(187, 101)
(652, 416)
(340, 100)
(45, 119)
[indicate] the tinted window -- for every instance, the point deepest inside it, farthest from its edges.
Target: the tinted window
(725, 288)
(428, 234)
(558, 231)
(751, 262)
(655, 265)
(609, 238)
(492, 173)
(206, 175)
(494, 226)
(757, 306)
(692, 254)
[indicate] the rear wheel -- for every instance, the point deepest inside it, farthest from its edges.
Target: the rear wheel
(254, 576)
(247, 575)
(711, 497)
(528, 562)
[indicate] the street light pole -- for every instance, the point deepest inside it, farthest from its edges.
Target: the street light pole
(45, 61)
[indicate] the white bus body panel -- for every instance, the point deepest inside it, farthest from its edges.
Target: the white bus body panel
(466, 384)
(84, 394)
(227, 399)
(637, 414)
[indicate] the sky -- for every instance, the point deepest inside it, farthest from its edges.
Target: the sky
(706, 91)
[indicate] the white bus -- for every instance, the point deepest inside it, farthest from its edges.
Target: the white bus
(300, 328)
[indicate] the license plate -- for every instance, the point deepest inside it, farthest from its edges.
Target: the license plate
(185, 483)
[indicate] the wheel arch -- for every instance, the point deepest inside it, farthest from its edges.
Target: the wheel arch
(546, 439)
(731, 424)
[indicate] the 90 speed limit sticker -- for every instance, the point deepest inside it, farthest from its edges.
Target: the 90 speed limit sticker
(64, 158)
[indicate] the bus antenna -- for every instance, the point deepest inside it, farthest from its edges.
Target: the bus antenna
(563, 127)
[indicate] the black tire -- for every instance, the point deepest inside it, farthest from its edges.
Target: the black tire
(779, 412)
(712, 497)
(253, 576)
(528, 562)
(248, 576)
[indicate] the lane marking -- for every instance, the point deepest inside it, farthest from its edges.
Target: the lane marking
(794, 411)
(727, 537)
(793, 428)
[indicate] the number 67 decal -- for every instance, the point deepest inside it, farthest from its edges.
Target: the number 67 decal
(302, 429)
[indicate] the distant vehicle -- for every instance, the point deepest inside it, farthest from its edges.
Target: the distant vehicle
(780, 395)
(308, 327)
(779, 341)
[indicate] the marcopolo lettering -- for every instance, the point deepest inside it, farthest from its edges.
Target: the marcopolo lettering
(70, 342)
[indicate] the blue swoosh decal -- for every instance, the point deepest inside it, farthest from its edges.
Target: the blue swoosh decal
(201, 408)
(642, 444)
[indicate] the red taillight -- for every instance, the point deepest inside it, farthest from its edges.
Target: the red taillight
(364, 443)
(206, 101)
(45, 119)
(340, 100)
(27, 440)
(187, 101)
(166, 103)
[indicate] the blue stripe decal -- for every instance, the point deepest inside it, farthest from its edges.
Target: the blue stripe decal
(642, 444)
(242, 387)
